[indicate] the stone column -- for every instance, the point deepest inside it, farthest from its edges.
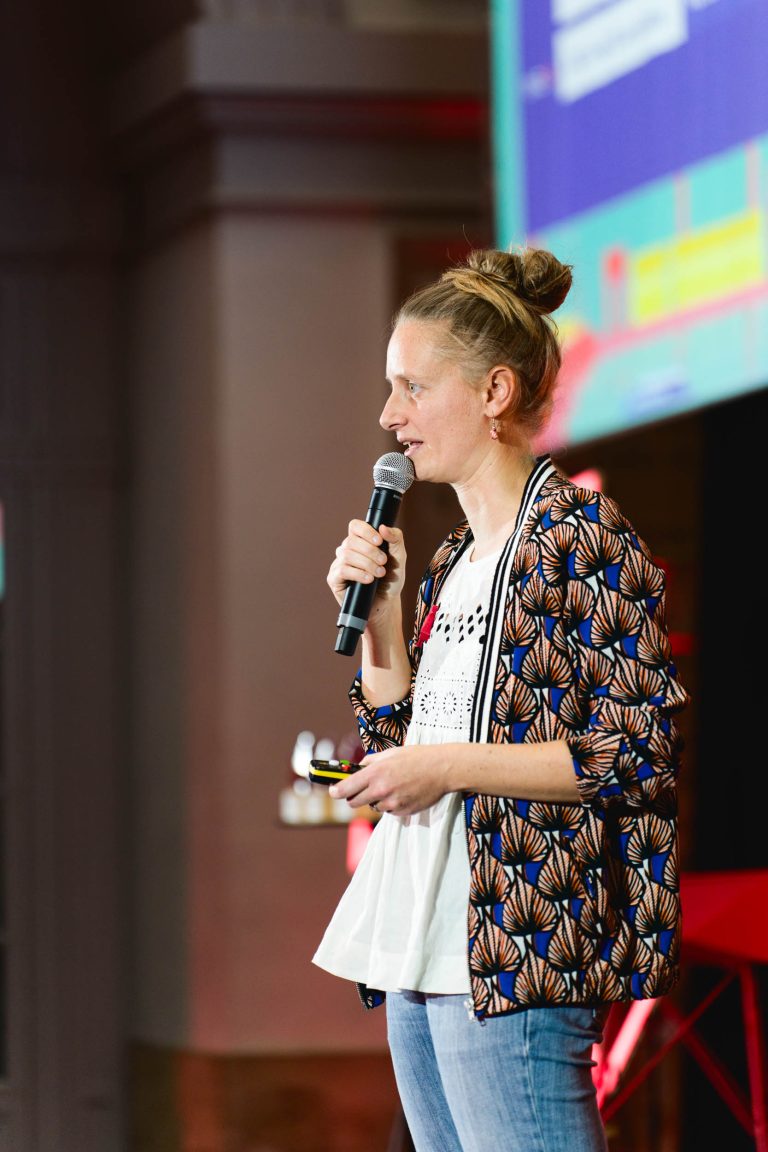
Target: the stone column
(273, 174)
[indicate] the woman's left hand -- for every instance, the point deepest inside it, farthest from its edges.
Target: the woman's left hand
(398, 780)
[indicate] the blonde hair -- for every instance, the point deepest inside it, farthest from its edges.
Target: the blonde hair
(494, 308)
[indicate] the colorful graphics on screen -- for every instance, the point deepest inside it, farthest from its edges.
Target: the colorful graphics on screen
(632, 140)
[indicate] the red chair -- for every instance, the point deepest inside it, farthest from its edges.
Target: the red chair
(724, 925)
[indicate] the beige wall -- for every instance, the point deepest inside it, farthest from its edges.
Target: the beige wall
(303, 308)
(258, 348)
(173, 608)
(259, 313)
(257, 361)
(256, 375)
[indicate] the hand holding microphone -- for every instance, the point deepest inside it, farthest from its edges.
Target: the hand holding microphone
(370, 562)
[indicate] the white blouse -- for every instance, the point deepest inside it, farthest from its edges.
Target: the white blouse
(402, 922)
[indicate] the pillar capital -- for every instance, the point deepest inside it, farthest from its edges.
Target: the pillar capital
(324, 119)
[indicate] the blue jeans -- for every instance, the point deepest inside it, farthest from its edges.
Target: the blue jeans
(519, 1083)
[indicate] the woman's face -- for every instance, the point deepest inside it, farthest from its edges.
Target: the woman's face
(436, 415)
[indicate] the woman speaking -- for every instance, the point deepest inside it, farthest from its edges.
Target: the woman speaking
(521, 749)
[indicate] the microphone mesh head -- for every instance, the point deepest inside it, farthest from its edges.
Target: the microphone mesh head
(394, 470)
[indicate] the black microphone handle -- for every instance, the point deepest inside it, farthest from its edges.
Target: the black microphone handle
(358, 598)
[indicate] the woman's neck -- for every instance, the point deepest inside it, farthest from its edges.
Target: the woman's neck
(491, 498)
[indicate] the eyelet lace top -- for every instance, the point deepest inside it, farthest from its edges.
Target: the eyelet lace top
(402, 922)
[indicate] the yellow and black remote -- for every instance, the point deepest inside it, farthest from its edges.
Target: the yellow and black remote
(330, 771)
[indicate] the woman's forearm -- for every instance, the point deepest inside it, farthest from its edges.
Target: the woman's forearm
(522, 771)
(386, 667)
(409, 779)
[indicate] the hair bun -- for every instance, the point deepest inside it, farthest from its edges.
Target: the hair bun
(533, 274)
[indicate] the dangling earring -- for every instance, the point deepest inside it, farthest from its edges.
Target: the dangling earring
(494, 430)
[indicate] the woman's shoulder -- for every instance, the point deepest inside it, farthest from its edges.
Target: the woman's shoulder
(574, 515)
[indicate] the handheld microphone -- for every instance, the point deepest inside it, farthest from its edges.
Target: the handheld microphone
(393, 475)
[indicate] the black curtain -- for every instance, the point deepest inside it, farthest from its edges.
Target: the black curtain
(732, 710)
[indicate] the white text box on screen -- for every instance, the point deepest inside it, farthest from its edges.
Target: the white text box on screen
(614, 42)
(565, 10)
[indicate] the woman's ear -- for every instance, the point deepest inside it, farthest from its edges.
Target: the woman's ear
(501, 390)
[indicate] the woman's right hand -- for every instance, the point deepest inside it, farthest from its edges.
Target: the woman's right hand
(359, 558)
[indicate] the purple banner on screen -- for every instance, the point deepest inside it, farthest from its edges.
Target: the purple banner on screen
(621, 92)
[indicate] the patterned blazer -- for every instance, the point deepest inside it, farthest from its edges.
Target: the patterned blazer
(569, 903)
